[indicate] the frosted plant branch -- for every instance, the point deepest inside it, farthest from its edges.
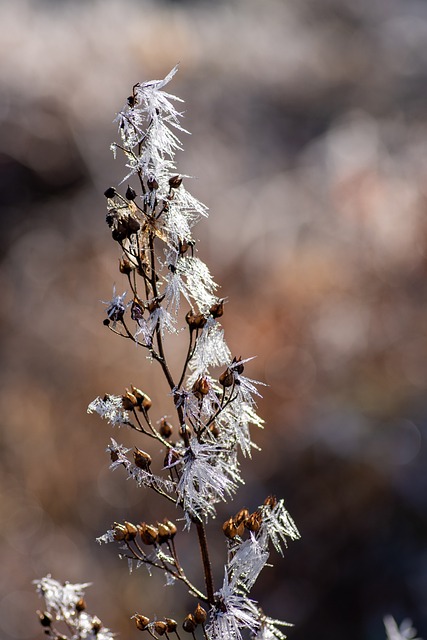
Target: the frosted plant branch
(169, 289)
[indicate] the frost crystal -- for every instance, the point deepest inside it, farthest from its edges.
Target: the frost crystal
(404, 632)
(111, 409)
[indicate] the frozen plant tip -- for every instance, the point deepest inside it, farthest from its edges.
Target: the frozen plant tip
(212, 403)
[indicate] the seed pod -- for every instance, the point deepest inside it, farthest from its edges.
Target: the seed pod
(200, 615)
(142, 459)
(136, 311)
(144, 401)
(226, 379)
(171, 625)
(45, 618)
(165, 428)
(175, 182)
(125, 266)
(119, 532)
(164, 533)
(229, 529)
(152, 184)
(240, 367)
(189, 623)
(110, 192)
(96, 624)
(131, 531)
(241, 516)
(201, 387)
(254, 522)
(160, 627)
(217, 309)
(80, 605)
(195, 321)
(114, 456)
(129, 401)
(214, 429)
(270, 501)
(141, 622)
(171, 526)
(171, 458)
(130, 193)
(149, 534)
(133, 225)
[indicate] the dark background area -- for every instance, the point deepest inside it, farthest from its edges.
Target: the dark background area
(309, 138)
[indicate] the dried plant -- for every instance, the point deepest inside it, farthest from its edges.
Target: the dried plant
(168, 286)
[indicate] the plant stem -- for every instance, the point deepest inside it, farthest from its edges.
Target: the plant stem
(203, 543)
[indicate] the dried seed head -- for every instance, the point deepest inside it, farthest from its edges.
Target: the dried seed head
(80, 605)
(129, 401)
(201, 387)
(254, 522)
(136, 311)
(96, 624)
(130, 193)
(226, 379)
(45, 618)
(125, 266)
(164, 533)
(195, 321)
(240, 367)
(214, 429)
(230, 529)
(175, 182)
(141, 622)
(114, 456)
(217, 309)
(172, 457)
(165, 428)
(270, 501)
(171, 526)
(110, 192)
(189, 623)
(152, 184)
(119, 532)
(171, 625)
(160, 627)
(131, 531)
(241, 516)
(200, 615)
(148, 533)
(144, 401)
(142, 459)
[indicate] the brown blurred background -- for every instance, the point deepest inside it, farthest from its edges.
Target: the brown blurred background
(309, 123)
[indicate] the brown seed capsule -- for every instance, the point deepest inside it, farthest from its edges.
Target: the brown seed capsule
(130, 193)
(214, 429)
(141, 622)
(200, 615)
(171, 625)
(125, 266)
(270, 501)
(201, 387)
(142, 459)
(229, 529)
(226, 379)
(129, 401)
(149, 534)
(160, 627)
(253, 523)
(240, 367)
(171, 458)
(144, 401)
(171, 526)
(241, 516)
(119, 532)
(175, 182)
(164, 533)
(80, 605)
(96, 624)
(217, 309)
(189, 623)
(165, 428)
(195, 321)
(114, 456)
(110, 192)
(152, 184)
(45, 618)
(131, 531)
(136, 311)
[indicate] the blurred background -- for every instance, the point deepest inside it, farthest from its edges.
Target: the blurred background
(309, 145)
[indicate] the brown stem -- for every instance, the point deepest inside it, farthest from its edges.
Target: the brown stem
(203, 543)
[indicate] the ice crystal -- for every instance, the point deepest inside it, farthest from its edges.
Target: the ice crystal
(110, 408)
(403, 632)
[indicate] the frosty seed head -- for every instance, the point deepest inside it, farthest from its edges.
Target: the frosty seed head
(80, 605)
